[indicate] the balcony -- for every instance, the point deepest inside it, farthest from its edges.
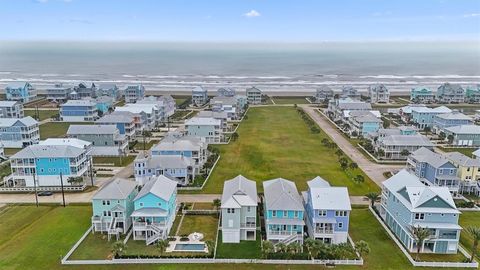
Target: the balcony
(324, 231)
(248, 225)
(281, 232)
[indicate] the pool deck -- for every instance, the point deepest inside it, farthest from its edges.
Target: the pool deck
(173, 244)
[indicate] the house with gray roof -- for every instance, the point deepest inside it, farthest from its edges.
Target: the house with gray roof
(239, 210)
(400, 146)
(378, 93)
(337, 107)
(109, 90)
(126, 122)
(134, 93)
(11, 109)
(349, 91)
(463, 135)
(84, 110)
(254, 95)
(226, 92)
(450, 93)
(84, 90)
(59, 92)
(19, 132)
(323, 93)
(20, 91)
(220, 115)
(283, 212)
(445, 120)
(106, 139)
(112, 207)
(209, 129)
(199, 96)
(468, 172)
(406, 203)
(364, 123)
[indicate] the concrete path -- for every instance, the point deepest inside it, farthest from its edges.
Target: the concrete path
(373, 170)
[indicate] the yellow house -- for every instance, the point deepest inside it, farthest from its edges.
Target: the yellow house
(468, 171)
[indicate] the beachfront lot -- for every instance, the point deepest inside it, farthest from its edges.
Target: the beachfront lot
(35, 238)
(275, 142)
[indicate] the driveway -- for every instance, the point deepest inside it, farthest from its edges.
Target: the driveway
(373, 170)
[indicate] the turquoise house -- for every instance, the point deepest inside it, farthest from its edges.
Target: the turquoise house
(283, 211)
(155, 206)
(104, 103)
(472, 94)
(422, 95)
(21, 91)
(112, 207)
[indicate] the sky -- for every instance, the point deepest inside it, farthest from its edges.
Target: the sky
(240, 20)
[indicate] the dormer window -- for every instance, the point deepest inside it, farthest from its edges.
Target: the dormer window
(419, 216)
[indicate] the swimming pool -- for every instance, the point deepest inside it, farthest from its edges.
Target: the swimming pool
(190, 247)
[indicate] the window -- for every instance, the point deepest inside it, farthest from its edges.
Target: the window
(274, 213)
(419, 216)
(340, 225)
(340, 213)
(322, 213)
(159, 204)
(141, 204)
(248, 209)
(103, 203)
(231, 210)
(104, 213)
(108, 202)
(295, 214)
(285, 213)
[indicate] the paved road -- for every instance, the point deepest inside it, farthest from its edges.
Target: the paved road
(373, 170)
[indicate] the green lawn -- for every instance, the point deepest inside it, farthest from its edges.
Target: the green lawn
(469, 219)
(464, 150)
(57, 129)
(203, 206)
(242, 250)
(115, 160)
(95, 247)
(11, 151)
(148, 145)
(275, 142)
(43, 114)
(206, 224)
(290, 100)
(5, 170)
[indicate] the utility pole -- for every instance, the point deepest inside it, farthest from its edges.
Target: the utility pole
(143, 133)
(91, 170)
(35, 187)
(37, 114)
(63, 193)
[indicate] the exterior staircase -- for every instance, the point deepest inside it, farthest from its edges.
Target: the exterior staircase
(112, 228)
(157, 234)
(290, 239)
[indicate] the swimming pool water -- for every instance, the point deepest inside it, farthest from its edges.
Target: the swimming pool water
(190, 247)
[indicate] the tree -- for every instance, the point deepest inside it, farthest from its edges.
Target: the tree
(162, 245)
(217, 203)
(353, 165)
(474, 232)
(77, 180)
(427, 130)
(386, 123)
(118, 248)
(442, 136)
(359, 179)
(405, 153)
(420, 235)
(234, 136)
(267, 248)
(354, 134)
(450, 138)
(362, 247)
(210, 246)
(380, 153)
(325, 141)
(312, 247)
(339, 153)
(294, 248)
(373, 197)
(343, 162)
(281, 247)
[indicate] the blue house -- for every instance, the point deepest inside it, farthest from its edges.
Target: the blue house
(283, 211)
(22, 91)
(112, 206)
(19, 133)
(104, 103)
(364, 123)
(124, 121)
(446, 120)
(406, 203)
(422, 95)
(328, 211)
(78, 111)
(110, 90)
(199, 96)
(434, 169)
(423, 116)
(155, 206)
(134, 93)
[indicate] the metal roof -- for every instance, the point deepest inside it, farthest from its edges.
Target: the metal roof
(238, 192)
(119, 189)
(281, 194)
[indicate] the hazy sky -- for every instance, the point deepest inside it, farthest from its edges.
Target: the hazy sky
(240, 20)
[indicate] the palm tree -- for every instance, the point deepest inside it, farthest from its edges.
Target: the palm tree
(373, 197)
(267, 248)
(162, 245)
(217, 203)
(294, 248)
(281, 247)
(380, 153)
(234, 136)
(359, 179)
(362, 247)
(404, 153)
(210, 246)
(311, 245)
(420, 235)
(118, 248)
(475, 233)
(353, 165)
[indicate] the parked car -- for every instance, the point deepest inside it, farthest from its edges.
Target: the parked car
(45, 193)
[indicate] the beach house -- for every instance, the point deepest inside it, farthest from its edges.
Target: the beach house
(84, 110)
(104, 104)
(84, 90)
(464, 135)
(468, 172)
(422, 95)
(327, 211)
(434, 169)
(52, 160)
(226, 92)
(283, 212)
(406, 203)
(134, 93)
(363, 123)
(124, 121)
(145, 116)
(378, 93)
(163, 107)
(155, 207)
(445, 120)
(339, 109)
(19, 132)
(450, 93)
(323, 93)
(112, 207)
(349, 92)
(400, 146)
(219, 115)
(209, 129)
(254, 95)
(20, 91)
(226, 104)
(11, 109)
(472, 94)
(106, 139)
(422, 117)
(239, 210)
(199, 96)
(59, 92)
(109, 90)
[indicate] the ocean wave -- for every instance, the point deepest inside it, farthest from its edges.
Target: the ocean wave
(450, 76)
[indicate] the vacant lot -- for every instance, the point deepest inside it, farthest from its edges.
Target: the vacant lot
(57, 129)
(290, 100)
(43, 114)
(275, 142)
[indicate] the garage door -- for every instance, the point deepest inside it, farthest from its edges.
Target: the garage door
(230, 236)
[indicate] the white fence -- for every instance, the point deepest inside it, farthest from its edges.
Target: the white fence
(39, 189)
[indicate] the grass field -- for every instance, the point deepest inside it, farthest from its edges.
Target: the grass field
(115, 160)
(206, 224)
(469, 219)
(290, 100)
(11, 151)
(57, 129)
(275, 142)
(466, 151)
(203, 206)
(43, 114)
(242, 250)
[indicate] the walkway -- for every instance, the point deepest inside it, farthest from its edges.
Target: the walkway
(373, 170)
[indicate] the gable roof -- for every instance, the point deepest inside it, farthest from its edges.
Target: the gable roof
(202, 121)
(160, 186)
(173, 143)
(454, 115)
(281, 194)
(238, 192)
(428, 156)
(415, 140)
(318, 182)
(26, 121)
(48, 151)
(119, 189)
(464, 129)
(117, 117)
(477, 153)
(330, 198)
(92, 129)
(81, 144)
(462, 160)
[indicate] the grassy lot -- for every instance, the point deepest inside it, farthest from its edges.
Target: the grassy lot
(148, 145)
(5, 170)
(203, 206)
(57, 129)
(440, 257)
(115, 160)
(11, 151)
(206, 224)
(95, 247)
(43, 114)
(290, 100)
(275, 142)
(464, 150)
(243, 250)
(469, 219)
(176, 222)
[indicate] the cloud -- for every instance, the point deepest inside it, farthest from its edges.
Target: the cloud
(471, 15)
(252, 13)
(41, 1)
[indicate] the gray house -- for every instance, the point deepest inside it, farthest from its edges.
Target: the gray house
(254, 95)
(378, 93)
(239, 210)
(226, 92)
(199, 96)
(396, 146)
(106, 139)
(450, 93)
(59, 92)
(11, 109)
(349, 92)
(323, 93)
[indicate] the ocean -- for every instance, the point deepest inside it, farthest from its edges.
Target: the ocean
(272, 67)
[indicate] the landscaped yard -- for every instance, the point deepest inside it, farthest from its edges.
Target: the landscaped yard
(290, 100)
(275, 142)
(148, 145)
(206, 224)
(242, 250)
(469, 219)
(43, 114)
(95, 247)
(125, 160)
(57, 129)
